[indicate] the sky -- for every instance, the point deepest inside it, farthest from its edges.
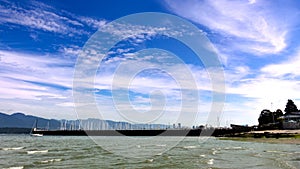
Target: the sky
(256, 41)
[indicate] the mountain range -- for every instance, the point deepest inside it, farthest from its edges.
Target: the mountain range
(20, 120)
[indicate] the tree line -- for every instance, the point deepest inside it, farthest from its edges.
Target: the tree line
(272, 119)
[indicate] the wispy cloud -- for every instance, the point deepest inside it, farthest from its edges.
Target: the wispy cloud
(241, 30)
(288, 69)
(25, 73)
(257, 27)
(39, 16)
(36, 84)
(266, 88)
(94, 23)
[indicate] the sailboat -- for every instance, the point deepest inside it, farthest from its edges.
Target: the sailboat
(34, 129)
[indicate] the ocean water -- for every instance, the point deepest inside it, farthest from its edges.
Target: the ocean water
(23, 151)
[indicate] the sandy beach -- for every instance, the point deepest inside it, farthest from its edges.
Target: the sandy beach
(294, 137)
(264, 140)
(277, 131)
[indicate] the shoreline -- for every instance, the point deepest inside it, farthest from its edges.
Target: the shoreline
(267, 136)
(264, 140)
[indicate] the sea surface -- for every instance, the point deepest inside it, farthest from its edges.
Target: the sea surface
(23, 151)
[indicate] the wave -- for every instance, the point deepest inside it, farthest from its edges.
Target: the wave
(11, 148)
(150, 160)
(50, 161)
(37, 151)
(20, 167)
(161, 145)
(190, 147)
(233, 148)
(272, 151)
(158, 154)
(210, 162)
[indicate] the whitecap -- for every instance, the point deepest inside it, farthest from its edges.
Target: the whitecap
(210, 162)
(51, 160)
(161, 145)
(202, 155)
(233, 148)
(158, 154)
(37, 151)
(20, 167)
(189, 147)
(12, 148)
(150, 160)
(271, 151)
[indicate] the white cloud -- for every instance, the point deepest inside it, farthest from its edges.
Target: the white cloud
(272, 82)
(267, 88)
(254, 27)
(289, 68)
(94, 23)
(36, 84)
(71, 50)
(22, 73)
(42, 17)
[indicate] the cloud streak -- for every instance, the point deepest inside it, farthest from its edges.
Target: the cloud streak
(254, 27)
(25, 74)
(39, 16)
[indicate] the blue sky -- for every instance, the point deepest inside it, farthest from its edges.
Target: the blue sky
(256, 41)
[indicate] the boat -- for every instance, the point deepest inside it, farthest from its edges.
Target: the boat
(32, 132)
(36, 135)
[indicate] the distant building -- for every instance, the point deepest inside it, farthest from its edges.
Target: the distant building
(291, 121)
(179, 125)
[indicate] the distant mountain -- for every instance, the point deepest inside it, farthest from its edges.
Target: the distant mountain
(20, 120)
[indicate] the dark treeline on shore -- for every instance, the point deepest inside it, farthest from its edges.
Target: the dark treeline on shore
(279, 120)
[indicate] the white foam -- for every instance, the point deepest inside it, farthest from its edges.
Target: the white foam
(202, 155)
(161, 145)
(233, 148)
(271, 151)
(150, 160)
(210, 162)
(37, 152)
(159, 154)
(20, 167)
(51, 160)
(12, 148)
(189, 147)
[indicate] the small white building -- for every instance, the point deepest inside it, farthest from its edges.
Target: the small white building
(291, 121)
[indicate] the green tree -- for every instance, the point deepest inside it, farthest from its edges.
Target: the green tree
(265, 117)
(290, 107)
(278, 113)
